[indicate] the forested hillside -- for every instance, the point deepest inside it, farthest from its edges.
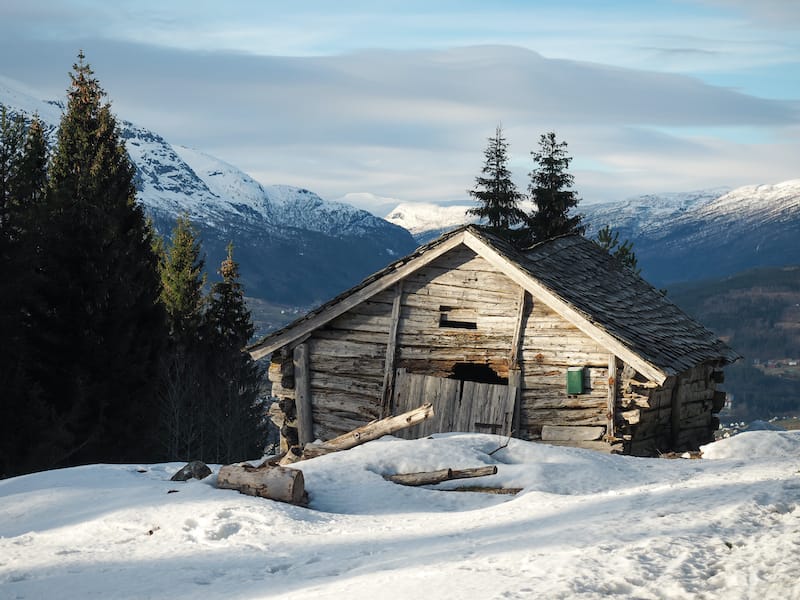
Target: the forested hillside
(758, 313)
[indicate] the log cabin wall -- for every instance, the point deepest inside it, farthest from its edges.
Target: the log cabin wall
(550, 346)
(678, 415)
(347, 359)
(457, 310)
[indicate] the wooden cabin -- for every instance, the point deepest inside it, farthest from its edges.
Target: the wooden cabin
(558, 343)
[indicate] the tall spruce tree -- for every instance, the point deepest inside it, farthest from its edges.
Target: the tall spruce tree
(23, 163)
(101, 327)
(235, 408)
(183, 393)
(496, 194)
(550, 192)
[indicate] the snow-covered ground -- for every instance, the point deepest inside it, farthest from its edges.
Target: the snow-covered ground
(586, 525)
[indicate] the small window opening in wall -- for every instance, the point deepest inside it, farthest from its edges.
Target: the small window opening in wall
(457, 318)
(479, 373)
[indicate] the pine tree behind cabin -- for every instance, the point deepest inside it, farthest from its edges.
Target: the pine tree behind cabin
(496, 194)
(550, 192)
(100, 328)
(182, 396)
(608, 239)
(235, 407)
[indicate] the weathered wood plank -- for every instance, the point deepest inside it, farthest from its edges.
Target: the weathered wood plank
(564, 417)
(555, 433)
(611, 401)
(515, 383)
(559, 401)
(519, 329)
(302, 401)
(391, 352)
(343, 348)
(412, 388)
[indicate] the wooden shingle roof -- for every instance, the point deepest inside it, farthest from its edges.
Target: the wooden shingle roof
(575, 277)
(620, 302)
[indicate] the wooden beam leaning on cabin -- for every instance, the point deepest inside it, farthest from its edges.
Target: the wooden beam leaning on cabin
(514, 367)
(611, 406)
(391, 353)
(357, 297)
(539, 291)
(302, 394)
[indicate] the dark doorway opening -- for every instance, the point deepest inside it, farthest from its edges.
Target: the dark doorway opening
(479, 373)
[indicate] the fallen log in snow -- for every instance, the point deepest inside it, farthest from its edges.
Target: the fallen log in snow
(266, 481)
(366, 433)
(433, 477)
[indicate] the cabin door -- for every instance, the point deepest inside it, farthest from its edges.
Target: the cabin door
(457, 405)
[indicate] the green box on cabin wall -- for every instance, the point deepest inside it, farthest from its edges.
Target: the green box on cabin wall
(574, 380)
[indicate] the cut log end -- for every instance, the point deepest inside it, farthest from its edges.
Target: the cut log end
(267, 481)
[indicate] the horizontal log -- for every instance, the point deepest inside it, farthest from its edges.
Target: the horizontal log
(433, 477)
(364, 386)
(367, 369)
(377, 339)
(484, 489)
(266, 481)
(345, 348)
(563, 417)
(560, 402)
(552, 433)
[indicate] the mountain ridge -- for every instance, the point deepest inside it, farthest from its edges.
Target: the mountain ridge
(281, 233)
(676, 236)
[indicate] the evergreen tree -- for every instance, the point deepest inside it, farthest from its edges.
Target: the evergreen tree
(550, 192)
(182, 396)
(236, 410)
(23, 414)
(608, 239)
(101, 326)
(495, 192)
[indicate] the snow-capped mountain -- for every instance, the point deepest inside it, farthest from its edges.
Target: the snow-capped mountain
(294, 248)
(677, 236)
(708, 234)
(427, 221)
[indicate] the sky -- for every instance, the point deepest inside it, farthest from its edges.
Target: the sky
(378, 103)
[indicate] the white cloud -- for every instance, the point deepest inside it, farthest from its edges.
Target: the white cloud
(412, 124)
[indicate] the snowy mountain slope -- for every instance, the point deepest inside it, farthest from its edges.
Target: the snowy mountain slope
(281, 234)
(586, 525)
(427, 221)
(678, 236)
(748, 227)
